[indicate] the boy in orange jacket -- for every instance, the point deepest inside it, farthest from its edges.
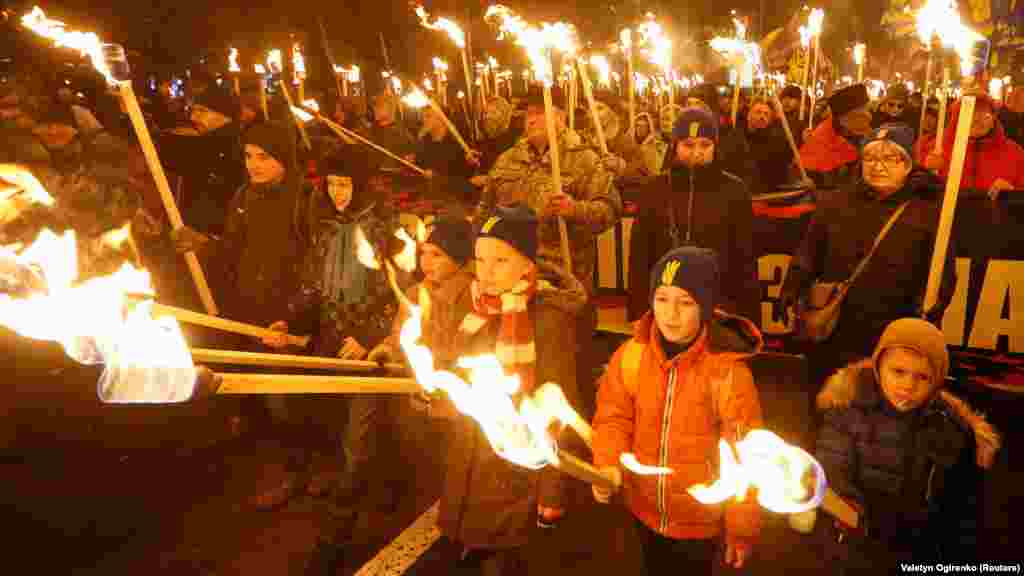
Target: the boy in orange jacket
(668, 396)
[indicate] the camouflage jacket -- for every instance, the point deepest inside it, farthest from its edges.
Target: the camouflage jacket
(521, 175)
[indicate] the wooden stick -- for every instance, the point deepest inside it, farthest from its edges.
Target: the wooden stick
(840, 509)
(469, 91)
(940, 127)
(736, 98)
(223, 324)
(302, 129)
(789, 137)
(210, 356)
(232, 383)
(556, 174)
(263, 100)
(956, 169)
(238, 87)
(581, 470)
(588, 91)
(632, 89)
(346, 133)
(451, 127)
(805, 95)
(814, 79)
(131, 105)
(927, 89)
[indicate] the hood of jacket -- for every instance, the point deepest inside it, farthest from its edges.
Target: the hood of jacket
(856, 386)
(727, 333)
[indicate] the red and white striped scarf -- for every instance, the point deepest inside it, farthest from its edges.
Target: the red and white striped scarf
(515, 347)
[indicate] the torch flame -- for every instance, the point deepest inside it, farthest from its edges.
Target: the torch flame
(659, 50)
(233, 60)
(259, 68)
(805, 37)
(815, 21)
(516, 424)
(858, 53)
(779, 471)
(440, 65)
(311, 104)
(406, 259)
(274, 61)
(145, 359)
(298, 62)
(87, 44)
(604, 70)
(538, 41)
(302, 115)
(443, 24)
(942, 18)
(629, 462)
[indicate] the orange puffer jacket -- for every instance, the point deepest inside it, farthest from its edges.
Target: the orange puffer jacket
(672, 412)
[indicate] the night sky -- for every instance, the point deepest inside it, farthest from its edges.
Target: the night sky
(173, 33)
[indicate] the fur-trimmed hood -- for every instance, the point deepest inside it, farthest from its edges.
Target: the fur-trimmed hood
(856, 386)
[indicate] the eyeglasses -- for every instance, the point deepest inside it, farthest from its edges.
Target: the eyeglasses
(890, 160)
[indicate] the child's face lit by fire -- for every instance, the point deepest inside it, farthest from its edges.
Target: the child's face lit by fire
(499, 266)
(907, 378)
(263, 168)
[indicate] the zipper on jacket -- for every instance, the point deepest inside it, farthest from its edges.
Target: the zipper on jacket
(689, 211)
(666, 421)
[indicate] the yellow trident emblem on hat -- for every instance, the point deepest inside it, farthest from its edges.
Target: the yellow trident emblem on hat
(490, 224)
(668, 275)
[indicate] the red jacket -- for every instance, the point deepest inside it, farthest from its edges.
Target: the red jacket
(672, 412)
(923, 147)
(988, 159)
(826, 150)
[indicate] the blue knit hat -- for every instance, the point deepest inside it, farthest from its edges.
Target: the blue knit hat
(692, 269)
(516, 225)
(898, 133)
(695, 123)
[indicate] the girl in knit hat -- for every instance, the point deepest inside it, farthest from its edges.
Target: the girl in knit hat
(668, 396)
(899, 447)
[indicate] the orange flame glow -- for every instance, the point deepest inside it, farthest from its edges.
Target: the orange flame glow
(539, 42)
(443, 24)
(233, 60)
(86, 43)
(274, 61)
(145, 359)
(415, 98)
(629, 462)
(779, 471)
(298, 62)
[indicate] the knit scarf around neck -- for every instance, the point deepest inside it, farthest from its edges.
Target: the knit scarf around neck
(515, 347)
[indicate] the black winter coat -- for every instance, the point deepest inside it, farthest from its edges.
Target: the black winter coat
(709, 208)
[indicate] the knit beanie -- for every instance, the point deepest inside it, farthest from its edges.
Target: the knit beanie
(271, 138)
(692, 269)
(848, 99)
(921, 337)
(898, 133)
(516, 226)
(791, 91)
(695, 123)
(454, 237)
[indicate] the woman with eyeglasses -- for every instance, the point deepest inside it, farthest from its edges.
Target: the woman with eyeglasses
(842, 232)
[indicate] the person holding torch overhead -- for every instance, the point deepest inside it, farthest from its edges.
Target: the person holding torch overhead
(588, 202)
(668, 396)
